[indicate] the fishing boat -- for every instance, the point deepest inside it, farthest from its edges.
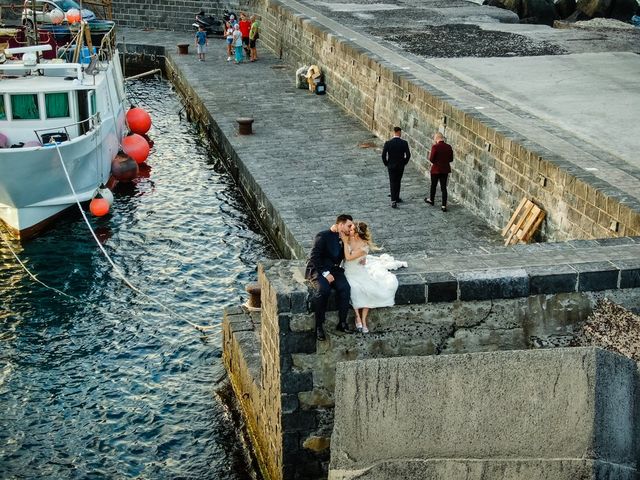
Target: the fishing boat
(62, 121)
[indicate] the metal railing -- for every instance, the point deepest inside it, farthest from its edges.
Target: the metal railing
(61, 133)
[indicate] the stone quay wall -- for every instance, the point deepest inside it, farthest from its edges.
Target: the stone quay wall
(494, 167)
(294, 437)
(174, 15)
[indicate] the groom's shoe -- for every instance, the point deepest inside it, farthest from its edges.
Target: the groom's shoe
(320, 333)
(394, 204)
(343, 327)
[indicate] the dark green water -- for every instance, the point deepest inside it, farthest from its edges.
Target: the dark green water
(109, 385)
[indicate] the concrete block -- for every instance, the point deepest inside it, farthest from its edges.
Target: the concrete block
(294, 382)
(498, 283)
(441, 287)
(411, 289)
(552, 279)
(629, 273)
(596, 276)
(540, 414)
(297, 342)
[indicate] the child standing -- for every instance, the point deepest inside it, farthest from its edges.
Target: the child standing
(228, 33)
(237, 43)
(201, 42)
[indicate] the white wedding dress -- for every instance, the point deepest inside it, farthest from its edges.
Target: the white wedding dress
(372, 284)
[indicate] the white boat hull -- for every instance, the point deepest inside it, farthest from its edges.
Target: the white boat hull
(33, 185)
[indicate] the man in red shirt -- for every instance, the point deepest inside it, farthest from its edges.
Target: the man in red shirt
(440, 157)
(245, 29)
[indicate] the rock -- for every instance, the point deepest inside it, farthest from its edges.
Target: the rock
(594, 8)
(623, 10)
(564, 8)
(533, 11)
(317, 444)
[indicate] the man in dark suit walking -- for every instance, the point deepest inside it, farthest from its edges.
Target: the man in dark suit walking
(440, 157)
(324, 273)
(395, 156)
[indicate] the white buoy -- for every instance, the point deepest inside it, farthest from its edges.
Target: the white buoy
(106, 194)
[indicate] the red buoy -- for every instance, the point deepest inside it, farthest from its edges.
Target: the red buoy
(99, 207)
(124, 168)
(139, 120)
(136, 147)
(73, 15)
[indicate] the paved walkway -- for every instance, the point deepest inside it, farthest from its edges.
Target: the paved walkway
(578, 109)
(311, 159)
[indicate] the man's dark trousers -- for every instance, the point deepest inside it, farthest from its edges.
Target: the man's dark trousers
(442, 178)
(322, 290)
(395, 177)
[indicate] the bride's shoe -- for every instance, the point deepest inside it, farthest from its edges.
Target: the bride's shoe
(364, 330)
(358, 326)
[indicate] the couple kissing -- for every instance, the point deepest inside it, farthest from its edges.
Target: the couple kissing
(340, 260)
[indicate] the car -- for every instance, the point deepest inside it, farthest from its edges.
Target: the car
(43, 9)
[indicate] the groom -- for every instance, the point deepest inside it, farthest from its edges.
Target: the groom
(324, 272)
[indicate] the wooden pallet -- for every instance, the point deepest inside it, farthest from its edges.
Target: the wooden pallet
(523, 223)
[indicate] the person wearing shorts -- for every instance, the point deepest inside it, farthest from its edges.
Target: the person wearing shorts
(245, 28)
(254, 34)
(201, 42)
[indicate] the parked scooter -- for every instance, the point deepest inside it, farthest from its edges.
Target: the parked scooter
(211, 25)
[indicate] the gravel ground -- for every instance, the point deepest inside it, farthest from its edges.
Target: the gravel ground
(613, 328)
(450, 41)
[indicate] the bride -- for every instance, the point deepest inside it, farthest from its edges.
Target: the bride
(372, 285)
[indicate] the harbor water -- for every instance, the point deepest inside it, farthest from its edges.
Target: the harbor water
(107, 384)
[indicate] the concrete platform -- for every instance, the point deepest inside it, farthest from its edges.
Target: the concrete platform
(549, 414)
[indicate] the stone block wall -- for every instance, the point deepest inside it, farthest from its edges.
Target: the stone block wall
(174, 15)
(494, 167)
(293, 437)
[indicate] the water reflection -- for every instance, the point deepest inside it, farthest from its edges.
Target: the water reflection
(106, 384)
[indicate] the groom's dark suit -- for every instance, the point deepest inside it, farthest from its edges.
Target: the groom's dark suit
(326, 255)
(395, 156)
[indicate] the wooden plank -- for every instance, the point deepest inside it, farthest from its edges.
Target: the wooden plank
(529, 221)
(514, 216)
(526, 210)
(535, 226)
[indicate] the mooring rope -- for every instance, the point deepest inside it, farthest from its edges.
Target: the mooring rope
(115, 267)
(34, 278)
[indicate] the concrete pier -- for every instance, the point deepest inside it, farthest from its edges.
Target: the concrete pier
(311, 157)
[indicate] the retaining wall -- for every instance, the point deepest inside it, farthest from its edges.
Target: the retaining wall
(493, 168)
(557, 414)
(174, 15)
(293, 436)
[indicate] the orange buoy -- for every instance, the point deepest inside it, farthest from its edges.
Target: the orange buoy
(124, 168)
(139, 120)
(73, 15)
(99, 207)
(136, 147)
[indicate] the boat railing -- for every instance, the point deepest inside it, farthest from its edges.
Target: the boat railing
(64, 133)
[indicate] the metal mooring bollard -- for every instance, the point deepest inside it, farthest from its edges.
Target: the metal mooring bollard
(244, 126)
(254, 303)
(183, 48)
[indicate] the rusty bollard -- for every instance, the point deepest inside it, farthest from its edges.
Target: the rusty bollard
(253, 303)
(244, 125)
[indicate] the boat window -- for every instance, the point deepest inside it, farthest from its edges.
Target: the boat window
(57, 104)
(25, 107)
(3, 112)
(92, 100)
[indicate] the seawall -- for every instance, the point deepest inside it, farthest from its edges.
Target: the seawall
(461, 289)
